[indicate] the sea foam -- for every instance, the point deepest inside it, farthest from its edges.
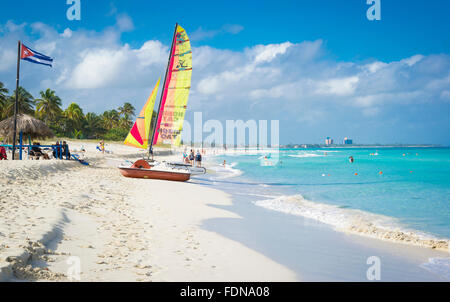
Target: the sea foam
(305, 155)
(353, 221)
(226, 171)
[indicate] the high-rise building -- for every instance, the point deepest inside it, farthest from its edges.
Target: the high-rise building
(348, 141)
(328, 141)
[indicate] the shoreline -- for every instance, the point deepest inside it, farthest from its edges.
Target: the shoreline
(315, 250)
(353, 221)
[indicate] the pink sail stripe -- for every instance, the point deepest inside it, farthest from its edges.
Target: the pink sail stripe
(169, 77)
(135, 133)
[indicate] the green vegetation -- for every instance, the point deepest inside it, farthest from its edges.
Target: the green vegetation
(72, 122)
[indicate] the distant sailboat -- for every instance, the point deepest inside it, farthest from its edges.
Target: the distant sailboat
(168, 125)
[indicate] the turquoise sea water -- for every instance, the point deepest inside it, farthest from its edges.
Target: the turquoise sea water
(413, 188)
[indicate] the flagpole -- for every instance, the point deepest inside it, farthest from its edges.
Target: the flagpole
(16, 103)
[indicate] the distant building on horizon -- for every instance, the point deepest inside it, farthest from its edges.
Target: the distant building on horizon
(348, 141)
(328, 141)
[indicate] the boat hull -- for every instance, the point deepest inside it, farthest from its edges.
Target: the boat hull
(154, 174)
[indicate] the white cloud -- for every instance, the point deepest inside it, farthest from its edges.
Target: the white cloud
(266, 53)
(10, 26)
(152, 52)
(124, 22)
(98, 68)
(375, 66)
(8, 58)
(67, 33)
(291, 81)
(233, 28)
(342, 86)
(412, 60)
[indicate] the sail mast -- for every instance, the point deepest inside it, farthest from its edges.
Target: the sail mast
(162, 92)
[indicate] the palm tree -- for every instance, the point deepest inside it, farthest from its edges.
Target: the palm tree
(25, 103)
(48, 107)
(125, 123)
(3, 93)
(110, 119)
(74, 114)
(127, 110)
(77, 133)
(92, 125)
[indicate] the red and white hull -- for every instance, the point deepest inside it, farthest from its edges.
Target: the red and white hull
(154, 174)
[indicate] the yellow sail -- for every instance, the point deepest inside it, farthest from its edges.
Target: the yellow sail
(139, 133)
(175, 94)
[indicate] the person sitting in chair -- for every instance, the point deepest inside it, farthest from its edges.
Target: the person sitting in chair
(65, 150)
(36, 152)
(56, 150)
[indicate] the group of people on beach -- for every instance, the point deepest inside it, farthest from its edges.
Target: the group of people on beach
(59, 150)
(193, 158)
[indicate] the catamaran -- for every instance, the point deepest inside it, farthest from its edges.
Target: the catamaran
(166, 128)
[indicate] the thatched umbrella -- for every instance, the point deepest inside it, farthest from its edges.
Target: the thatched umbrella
(29, 126)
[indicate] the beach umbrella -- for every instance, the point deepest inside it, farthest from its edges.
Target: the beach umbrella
(27, 125)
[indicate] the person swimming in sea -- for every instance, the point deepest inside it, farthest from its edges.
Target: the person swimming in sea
(351, 159)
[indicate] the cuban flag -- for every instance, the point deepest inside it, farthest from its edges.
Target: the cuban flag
(32, 56)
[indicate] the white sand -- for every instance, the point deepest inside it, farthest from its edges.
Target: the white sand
(54, 213)
(58, 216)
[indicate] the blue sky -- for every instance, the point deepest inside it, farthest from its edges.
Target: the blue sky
(408, 27)
(320, 67)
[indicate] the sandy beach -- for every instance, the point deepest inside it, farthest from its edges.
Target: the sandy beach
(62, 221)
(58, 218)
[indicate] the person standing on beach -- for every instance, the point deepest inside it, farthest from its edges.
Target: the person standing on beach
(3, 155)
(185, 157)
(192, 157)
(198, 159)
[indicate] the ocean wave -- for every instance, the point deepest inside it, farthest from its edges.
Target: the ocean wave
(305, 155)
(315, 153)
(251, 152)
(353, 221)
(226, 172)
(257, 195)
